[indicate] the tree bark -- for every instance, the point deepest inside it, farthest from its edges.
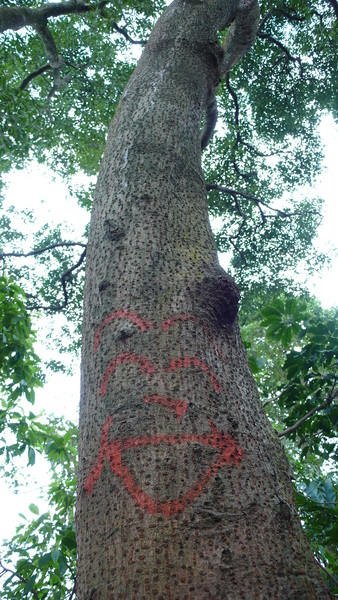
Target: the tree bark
(184, 491)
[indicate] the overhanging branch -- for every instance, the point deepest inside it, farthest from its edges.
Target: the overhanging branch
(5, 570)
(306, 417)
(66, 277)
(289, 56)
(257, 201)
(34, 74)
(41, 250)
(123, 31)
(16, 17)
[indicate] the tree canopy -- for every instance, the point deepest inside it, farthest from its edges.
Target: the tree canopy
(63, 69)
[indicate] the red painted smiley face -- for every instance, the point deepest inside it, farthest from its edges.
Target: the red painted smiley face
(228, 450)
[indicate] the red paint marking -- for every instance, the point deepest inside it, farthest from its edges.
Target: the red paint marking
(228, 451)
(130, 315)
(178, 406)
(227, 448)
(166, 323)
(104, 445)
(187, 361)
(148, 368)
(126, 357)
(171, 321)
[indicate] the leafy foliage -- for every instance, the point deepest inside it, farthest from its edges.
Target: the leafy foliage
(318, 507)
(42, 554)
(268, 146)
(293, 348)
(19, 371)
(74, 121)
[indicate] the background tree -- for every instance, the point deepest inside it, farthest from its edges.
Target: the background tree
(253, 231)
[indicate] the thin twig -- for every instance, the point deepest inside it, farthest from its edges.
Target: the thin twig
(295, 59)
(326, 571)
(270, 400)
(73, 591)
(34, 74)
(257, 201)
(23, 579)
(258, 152)
(238, 134)
(65, 276)
(238, 208)
(234, 237)
(41, 250)
(307, 416)
(122, 31)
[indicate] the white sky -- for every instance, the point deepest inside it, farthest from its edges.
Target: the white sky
(47, 194)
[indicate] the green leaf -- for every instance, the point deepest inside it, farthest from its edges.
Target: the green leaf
(62, 566)
(45, 559)
(29, 585)
(31, 456)
(55, 555)
(286, 337)
(34, 509)
(329, 493)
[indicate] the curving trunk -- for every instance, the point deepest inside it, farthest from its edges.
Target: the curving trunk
(184, 490)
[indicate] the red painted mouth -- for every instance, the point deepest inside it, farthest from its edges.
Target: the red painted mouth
(228, 451)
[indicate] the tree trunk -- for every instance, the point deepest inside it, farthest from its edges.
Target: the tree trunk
(184, 490)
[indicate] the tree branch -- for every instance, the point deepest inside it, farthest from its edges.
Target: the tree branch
(270, 38)
(307, 416)
(291, 17)
(210, 120)
(41, 250)
(241, 35)
(16, 17)
(235, 99)
(234, 237)
(238, 134)
(122, 31)
(34, 74)
(73, 591)
(55, 60)
(264, 20)
(64, 278)
(257, 201)
(326, 571)
(23, 579)
(270, 400)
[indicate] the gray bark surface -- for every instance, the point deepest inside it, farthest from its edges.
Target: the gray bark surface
(184, 491)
